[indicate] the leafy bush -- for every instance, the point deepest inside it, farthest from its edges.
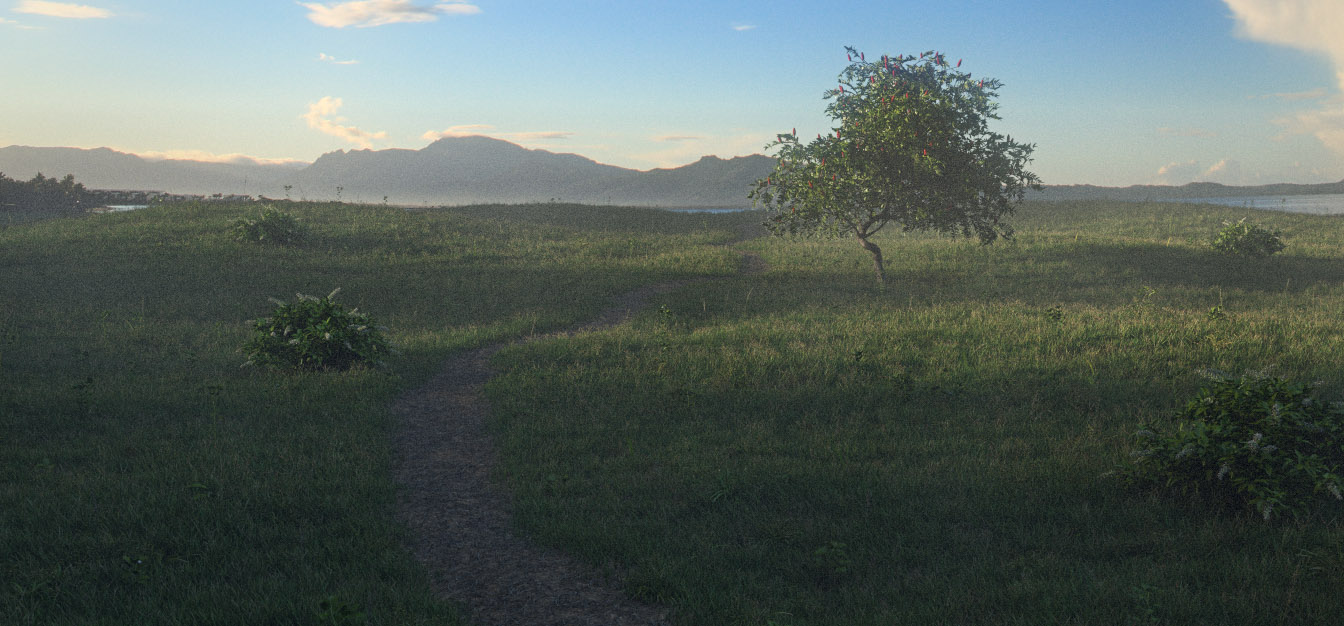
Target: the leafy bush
(272, 226)
(1243, 238)
(315, 334)
(1263, 442)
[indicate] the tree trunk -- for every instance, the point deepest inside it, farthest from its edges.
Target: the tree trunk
(877, 259)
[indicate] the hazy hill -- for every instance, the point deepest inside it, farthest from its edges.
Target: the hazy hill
(453, 170)
(1141, 193)
(462, 170)
(103, 168)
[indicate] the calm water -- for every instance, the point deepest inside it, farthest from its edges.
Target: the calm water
(706, 209)
(1324, 204)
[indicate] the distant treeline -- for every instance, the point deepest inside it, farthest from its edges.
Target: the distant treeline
(44, 195)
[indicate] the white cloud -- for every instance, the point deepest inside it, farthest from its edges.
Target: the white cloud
(1327, 125)
(538, 135)
(1313, 94)
(465, 130)
(679, 149)
(1178, 170)
(322, 56)
(210, 157)
(1225, 171)
(1311, 25)
(524, 138)
(321, 116)
(366, 13)
(62, 9)
(741, 27)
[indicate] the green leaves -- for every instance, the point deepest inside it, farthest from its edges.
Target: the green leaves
(316, 334)
(911, 146)
(273, 226)
(1247, 239)
(1264, 442)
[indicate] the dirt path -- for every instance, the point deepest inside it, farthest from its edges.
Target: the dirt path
(460, 524)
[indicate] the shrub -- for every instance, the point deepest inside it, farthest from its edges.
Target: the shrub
(1243, 238)
(272, 226)
(315, 334)
(1263, 442)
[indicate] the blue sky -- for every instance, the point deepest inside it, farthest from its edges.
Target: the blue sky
(1111, 93)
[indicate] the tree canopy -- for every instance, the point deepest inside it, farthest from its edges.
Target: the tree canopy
(42, 194)
(912, 146)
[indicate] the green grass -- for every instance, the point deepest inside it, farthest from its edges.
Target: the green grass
(145, 478)
(952, 432)
(794, 447)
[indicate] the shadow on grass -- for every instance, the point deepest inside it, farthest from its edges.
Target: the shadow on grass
(1096, 274)
(1168, 266)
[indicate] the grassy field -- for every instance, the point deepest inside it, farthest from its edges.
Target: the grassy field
(794, 447)
(800, 448)
(145, 478)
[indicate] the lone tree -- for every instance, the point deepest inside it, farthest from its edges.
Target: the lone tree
(912, 147)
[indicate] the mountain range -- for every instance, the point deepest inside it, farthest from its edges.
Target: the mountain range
(1145, 193)
(452, 170)
(476, 169)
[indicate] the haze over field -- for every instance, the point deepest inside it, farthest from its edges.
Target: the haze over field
(1239, 92)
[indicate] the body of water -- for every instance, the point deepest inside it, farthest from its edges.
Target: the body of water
(706, 209)
(1323, 204)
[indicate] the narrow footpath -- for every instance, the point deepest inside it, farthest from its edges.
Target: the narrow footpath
(460, 523)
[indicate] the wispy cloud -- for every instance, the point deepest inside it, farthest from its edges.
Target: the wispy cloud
(464, 130)
(62, 9)
(1226, 171)
(1186, 132)
(321, 116)
(322, 56)
(1311, 25)
(539, 135)
(1327, 125)
(210, 157)
(486, 130)
(367, 13)
(675, 150)
(1314, 94)
(1177, 169)
(741, 27)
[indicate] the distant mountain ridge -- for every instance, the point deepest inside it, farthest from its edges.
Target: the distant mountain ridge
(104, 168)
(452, 170)
(476, 169)
(1141, 193)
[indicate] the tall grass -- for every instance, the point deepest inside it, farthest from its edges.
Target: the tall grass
(145, 478)
(800, 448)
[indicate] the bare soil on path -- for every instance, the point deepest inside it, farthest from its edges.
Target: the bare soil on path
(459, 519)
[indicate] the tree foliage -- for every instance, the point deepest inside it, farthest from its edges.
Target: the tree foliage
(44, 195)
(912, 147)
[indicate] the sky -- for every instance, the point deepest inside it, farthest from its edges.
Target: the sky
(1238, 92)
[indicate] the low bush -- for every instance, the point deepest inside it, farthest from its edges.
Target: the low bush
(1247, 239)
(316, 334)
(272, 226)
(1263, 442)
